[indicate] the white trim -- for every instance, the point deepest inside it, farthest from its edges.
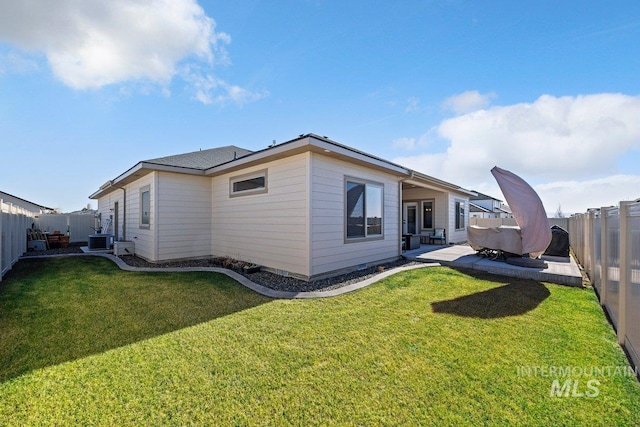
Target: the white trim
(457, 214)
(145, 168)
(141, 224)
(405, 216)
(263, 173)
(366, 183)
(305, 143)
(433, 214)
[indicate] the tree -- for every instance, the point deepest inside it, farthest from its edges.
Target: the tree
(559, 213)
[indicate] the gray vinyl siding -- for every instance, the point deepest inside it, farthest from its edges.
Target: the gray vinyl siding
(105, 206)
(329, 251)
(144, 238)
(457, 236)
(180, 216)
(271, 228)
(183, 216)
(440, 206)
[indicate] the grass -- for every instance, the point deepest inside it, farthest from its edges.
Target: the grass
(84, 343)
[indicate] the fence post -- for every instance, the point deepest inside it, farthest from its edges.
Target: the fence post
(625, 248)
(591, 226)
(587, 242)
(604, 262)
(1, 242)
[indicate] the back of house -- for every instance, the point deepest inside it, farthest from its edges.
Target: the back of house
(309, 207)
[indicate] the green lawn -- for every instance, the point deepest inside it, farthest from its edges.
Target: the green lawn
(83, 343)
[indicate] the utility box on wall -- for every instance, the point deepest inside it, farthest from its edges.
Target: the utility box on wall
(123, 248)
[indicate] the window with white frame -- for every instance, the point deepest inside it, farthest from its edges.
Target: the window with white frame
(145, 207)
(364, 209)
(459, 214)
(427, 214)
(253, 183)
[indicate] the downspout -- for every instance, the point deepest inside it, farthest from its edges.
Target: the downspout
(124, 214)
(400, 216)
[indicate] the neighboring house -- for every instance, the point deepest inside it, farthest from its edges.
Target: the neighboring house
(24, 204)
(483, 206)
(309, 207)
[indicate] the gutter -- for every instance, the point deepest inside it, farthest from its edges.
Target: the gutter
(140, 166)
(448, 185)
(308, 142)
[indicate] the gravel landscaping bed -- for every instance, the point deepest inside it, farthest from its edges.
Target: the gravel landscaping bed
(275, 281)
(264, 278)
(71, 249)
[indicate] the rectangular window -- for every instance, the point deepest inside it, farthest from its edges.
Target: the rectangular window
(373, 207)
(364, 202)
(145, 207)
(254, 183)
(427, 214)
(459, 215)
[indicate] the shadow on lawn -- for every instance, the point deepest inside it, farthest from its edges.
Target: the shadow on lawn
(59, 310)
(515, 297)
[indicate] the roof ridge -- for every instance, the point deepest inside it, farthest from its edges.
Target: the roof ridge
(199, 151)
(202, 159)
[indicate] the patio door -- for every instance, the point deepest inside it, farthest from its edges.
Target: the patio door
(410, 218)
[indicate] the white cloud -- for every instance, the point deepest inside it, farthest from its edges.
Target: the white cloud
(578, 196)
(554, 139)
(211, 90)
(405, 143)
(94, 43)
(413, 105)
(467, 102)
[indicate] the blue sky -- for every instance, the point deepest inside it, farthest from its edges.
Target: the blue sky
(548, 90)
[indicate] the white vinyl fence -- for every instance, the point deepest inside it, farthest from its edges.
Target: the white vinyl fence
(606, 241)
(14, 222)
(77, 226)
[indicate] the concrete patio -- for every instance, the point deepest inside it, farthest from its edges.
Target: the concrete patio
(560, 270)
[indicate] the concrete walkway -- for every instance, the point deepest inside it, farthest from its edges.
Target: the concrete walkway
(263, 290)
(560, 270)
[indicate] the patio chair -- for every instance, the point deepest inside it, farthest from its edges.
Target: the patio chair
(439, 234)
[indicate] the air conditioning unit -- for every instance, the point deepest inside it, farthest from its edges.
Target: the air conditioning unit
(100, 242)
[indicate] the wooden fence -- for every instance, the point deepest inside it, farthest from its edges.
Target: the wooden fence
(606, 241)
(14, 222)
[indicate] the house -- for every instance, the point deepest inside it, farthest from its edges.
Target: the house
(483, 206)
(24, 204)
(309, 207)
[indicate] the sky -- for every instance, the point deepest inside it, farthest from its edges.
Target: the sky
(549, 90)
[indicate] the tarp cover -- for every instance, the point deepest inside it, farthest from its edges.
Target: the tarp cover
(528, 211)
(505, 238)
(559, 245)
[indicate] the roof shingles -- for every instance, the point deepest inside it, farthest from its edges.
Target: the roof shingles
(203, 159)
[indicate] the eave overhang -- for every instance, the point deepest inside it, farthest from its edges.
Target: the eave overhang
(309, 143)
(138, 171)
